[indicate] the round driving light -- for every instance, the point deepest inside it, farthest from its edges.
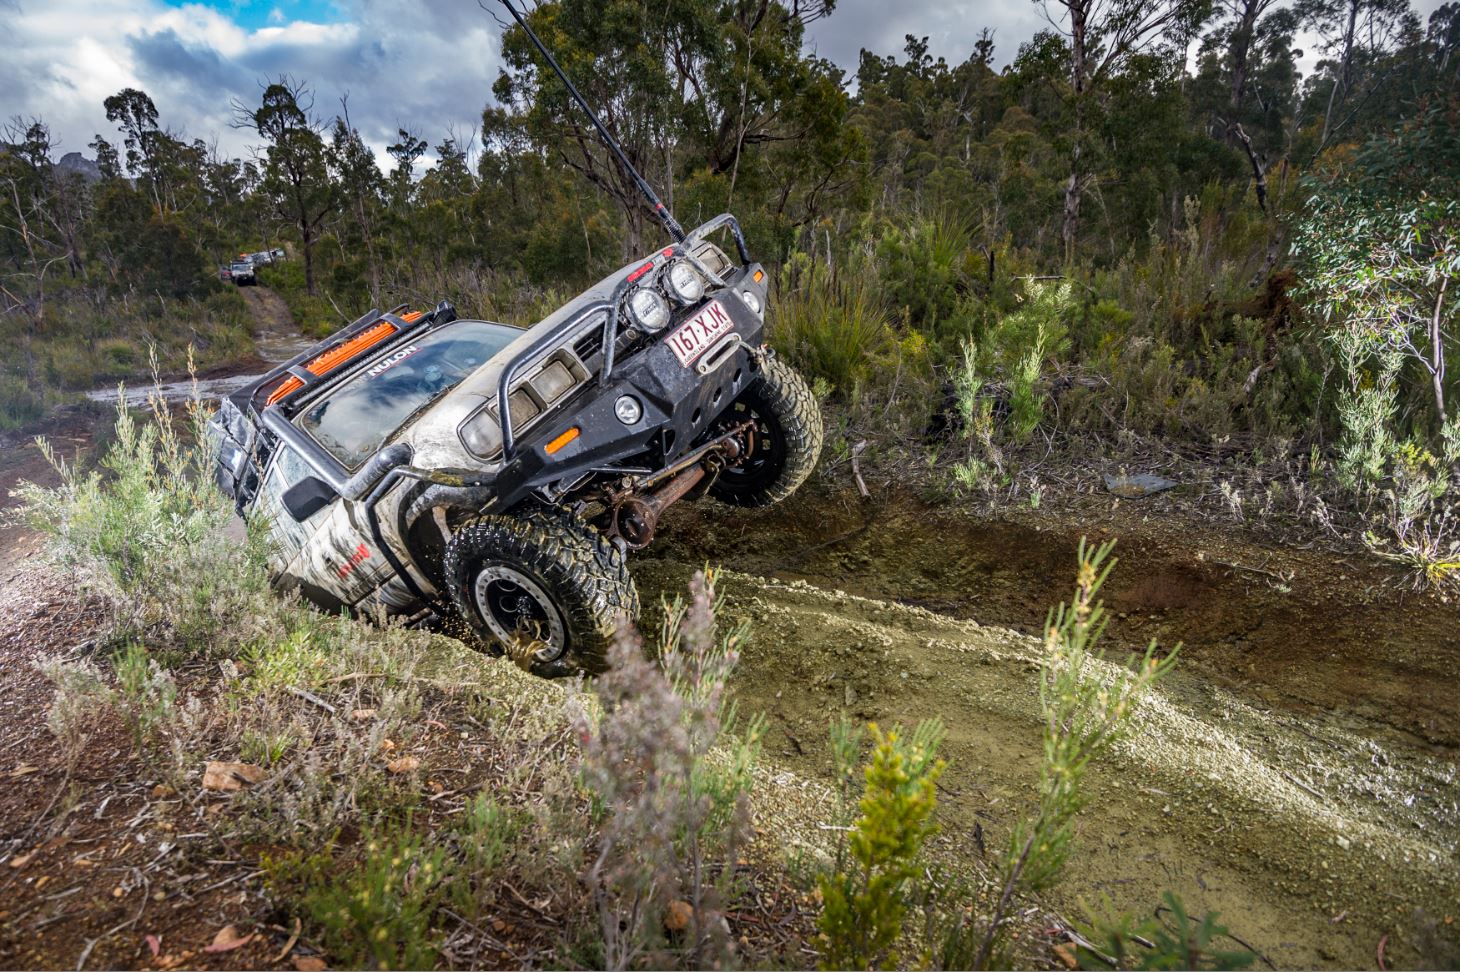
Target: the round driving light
(649, 309)
(751, 301)
(683, 282)
(628, 409)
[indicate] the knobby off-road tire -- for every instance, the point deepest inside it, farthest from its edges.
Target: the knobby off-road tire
(576, 586)
(787, 440)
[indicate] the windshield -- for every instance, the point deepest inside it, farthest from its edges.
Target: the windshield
(354, 419)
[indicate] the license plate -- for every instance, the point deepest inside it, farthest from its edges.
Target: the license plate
(697, 334)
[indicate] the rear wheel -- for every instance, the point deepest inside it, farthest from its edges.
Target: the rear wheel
(784, 444)
(545, 585)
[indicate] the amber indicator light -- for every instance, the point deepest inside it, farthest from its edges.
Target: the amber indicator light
(562, 440)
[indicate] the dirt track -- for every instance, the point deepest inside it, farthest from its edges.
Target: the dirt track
(1296, 773)
(276, 339)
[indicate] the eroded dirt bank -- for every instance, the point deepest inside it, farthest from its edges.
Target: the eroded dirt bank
(1297, 773)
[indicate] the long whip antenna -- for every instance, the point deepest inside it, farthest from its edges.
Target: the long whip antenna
(660, 210)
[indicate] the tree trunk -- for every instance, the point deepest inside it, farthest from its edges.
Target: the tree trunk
(306, 236)
(1437, 352)
(1239, 47)
(1340, 80)
(1259, 176)
(1075, 186)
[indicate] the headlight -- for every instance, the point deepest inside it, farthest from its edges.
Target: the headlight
(628, 410)
(648, 308)
(683, 282)
(751, 301)
(482, 435)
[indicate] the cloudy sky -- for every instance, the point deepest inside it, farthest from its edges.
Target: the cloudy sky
(427, 65)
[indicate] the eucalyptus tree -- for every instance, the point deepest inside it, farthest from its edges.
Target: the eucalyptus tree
(710, 95)
(296, 176)
(1101, 37)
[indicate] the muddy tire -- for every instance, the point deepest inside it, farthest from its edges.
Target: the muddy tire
(544, 586)
(787, 440)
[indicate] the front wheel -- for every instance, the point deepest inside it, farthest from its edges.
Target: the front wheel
(545, 585)
(785, 441)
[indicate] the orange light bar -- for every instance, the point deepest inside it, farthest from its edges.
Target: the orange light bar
(335, 357)
(759, 276)
(562, 440)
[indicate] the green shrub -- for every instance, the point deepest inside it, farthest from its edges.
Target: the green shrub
(1039, 325)
(831, 326)
(379, 911)
(147, 692)
(865, 897)
(925, 267)
(149, 534)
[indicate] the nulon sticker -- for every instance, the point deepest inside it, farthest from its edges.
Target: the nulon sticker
(390, 361)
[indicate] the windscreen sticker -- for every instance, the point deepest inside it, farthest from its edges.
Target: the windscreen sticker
(390, 361)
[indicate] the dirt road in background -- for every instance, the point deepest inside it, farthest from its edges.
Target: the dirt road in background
(1297, 772)
(276, 340)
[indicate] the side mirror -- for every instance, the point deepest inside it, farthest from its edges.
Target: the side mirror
(307, 497)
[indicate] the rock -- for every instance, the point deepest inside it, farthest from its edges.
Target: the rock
(228, 777)
(1133, 487)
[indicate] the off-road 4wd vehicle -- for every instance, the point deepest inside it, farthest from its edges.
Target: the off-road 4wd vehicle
(242, 273)
(422, 464)
(419, 462)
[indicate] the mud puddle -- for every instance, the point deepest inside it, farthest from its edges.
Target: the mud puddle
(1297, 772)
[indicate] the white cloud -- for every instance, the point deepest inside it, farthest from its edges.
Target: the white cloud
(427, 67)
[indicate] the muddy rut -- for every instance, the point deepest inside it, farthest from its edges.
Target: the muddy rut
(1297, 772)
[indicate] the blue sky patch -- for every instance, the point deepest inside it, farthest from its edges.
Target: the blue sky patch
(253, 14)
